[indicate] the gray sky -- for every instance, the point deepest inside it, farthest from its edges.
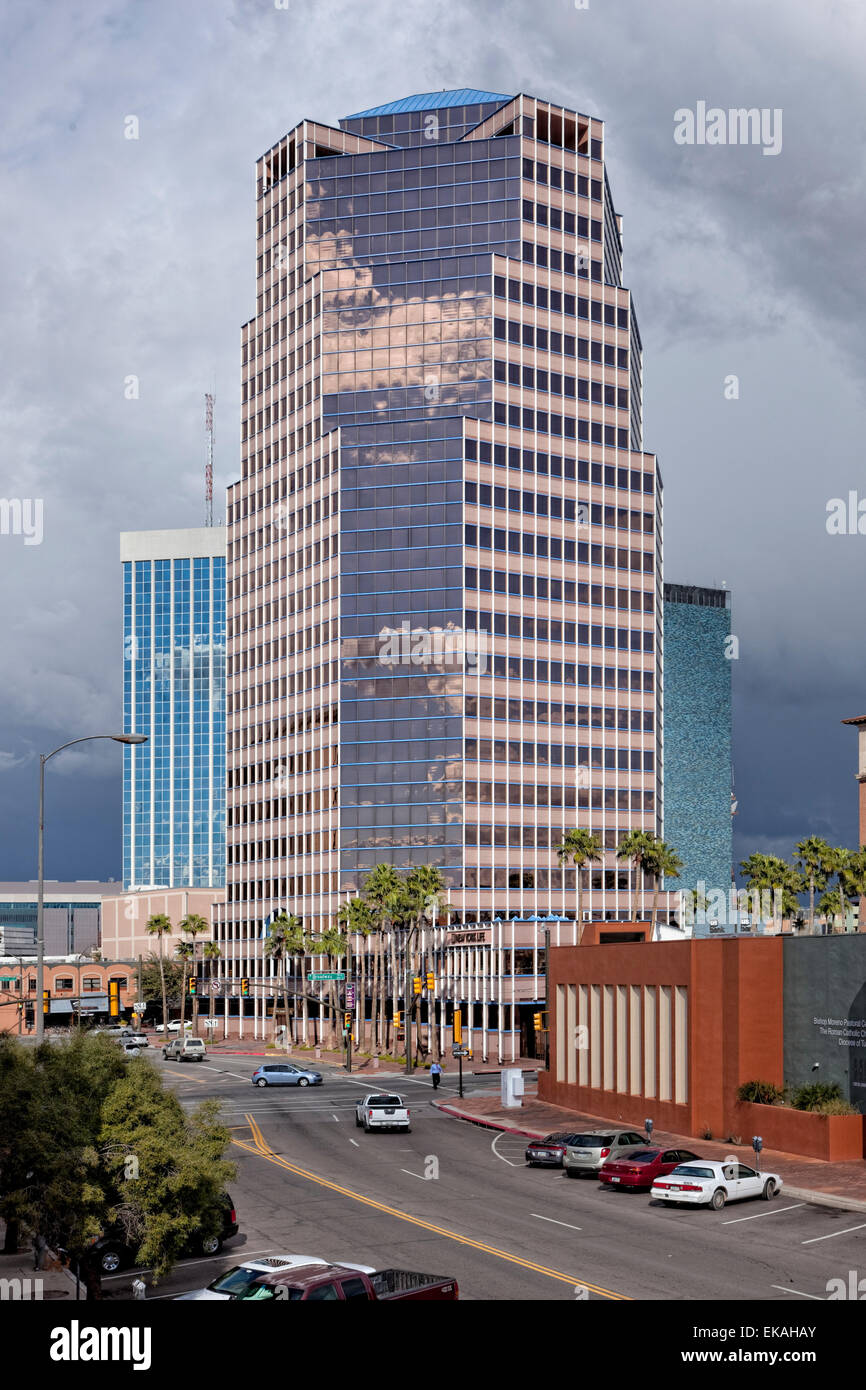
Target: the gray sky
(122, 257)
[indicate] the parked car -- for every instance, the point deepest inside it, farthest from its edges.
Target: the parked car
(641, 1167)
(586, 1153)
(234, 1283)
(549, 1152)
(185, 1050)
(708, 1183)
(284, 1074)
(340, 1283)
(382, 1112)
(129, 1049)
(131, 1039)
(114, 1253)
(173, 1026)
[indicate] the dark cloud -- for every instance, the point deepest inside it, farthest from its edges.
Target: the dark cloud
(136, 257)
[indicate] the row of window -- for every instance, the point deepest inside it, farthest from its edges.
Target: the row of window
(560, 220)
(545, 712)
(527, 543)
(550, 258)
(528, 335)
(557, 466)
(560, 384)
(528, 794)
(539, 296)
(500, 750)
(555, 177)
(553, 630)
(565, 509)
(540, 587)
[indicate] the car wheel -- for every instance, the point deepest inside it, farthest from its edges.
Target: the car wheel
(569, 1173)
(357, 1123)
(718, 1199)
(211, 1245)
(408, 1129)
(303, 1081)
(110, 1261)
(261, 1081)
(769, 1191)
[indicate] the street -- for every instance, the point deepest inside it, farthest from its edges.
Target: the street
(454, 1199)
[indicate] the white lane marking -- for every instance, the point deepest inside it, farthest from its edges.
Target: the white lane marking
(413, 1175)
(499, 1155)
(798, 1291)
(187, 1264)
(554, 1222)
(336, 1117)
(775, 1212)
(833, 1234)
(355, 1142)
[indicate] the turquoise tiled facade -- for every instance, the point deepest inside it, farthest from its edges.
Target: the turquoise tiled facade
(697, 736)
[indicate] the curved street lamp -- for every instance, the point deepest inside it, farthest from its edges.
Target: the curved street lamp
(40, 908)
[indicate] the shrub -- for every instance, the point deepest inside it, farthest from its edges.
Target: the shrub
(838, 1107)
(760, 1092)
(815, 1095)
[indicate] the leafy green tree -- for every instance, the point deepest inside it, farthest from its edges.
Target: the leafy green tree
(166, 1171)
(579, 847)
(852, 878)
(634, 846)
(159, 925)
(815, 860)
(152, 980)
(831, 905)
(767, 873)
(358, 919)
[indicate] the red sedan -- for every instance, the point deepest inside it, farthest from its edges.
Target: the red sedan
(641, 1168)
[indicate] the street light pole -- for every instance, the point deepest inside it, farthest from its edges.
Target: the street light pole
(40, 893)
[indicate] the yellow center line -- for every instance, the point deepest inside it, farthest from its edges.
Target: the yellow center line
(262, 1148)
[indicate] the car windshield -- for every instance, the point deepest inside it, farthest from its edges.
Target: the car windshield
(591, 1141)
(688, 1170)
(235, 1281)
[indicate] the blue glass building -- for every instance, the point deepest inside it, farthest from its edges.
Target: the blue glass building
(174, 627)
(697, 736)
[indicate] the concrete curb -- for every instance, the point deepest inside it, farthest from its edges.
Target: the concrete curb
(803, 1194)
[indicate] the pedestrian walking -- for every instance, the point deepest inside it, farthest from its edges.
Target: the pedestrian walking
(436, 1074)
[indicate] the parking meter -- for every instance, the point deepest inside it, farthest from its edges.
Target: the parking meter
(757, 1145)
(648, 1126)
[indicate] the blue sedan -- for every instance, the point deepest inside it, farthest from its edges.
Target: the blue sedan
(284, 1074)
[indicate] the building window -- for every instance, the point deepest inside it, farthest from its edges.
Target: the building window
(92, 984)
(63, 982)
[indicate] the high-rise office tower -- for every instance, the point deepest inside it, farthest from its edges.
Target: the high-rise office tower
(697, 728)
(174, 692)
(442, 440)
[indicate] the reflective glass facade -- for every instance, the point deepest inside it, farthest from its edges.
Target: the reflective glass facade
(441, 437)
(174, 692)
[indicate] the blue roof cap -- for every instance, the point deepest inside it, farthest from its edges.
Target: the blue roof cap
(434, 101)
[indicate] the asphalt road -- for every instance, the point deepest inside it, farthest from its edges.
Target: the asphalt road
(454, 1199)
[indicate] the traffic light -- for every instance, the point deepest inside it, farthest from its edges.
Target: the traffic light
(20, 1006)
(347, 1021)
(457, 1027)
(113, 999)
(46, 1001)
(431, 980)
(538, 1022)
(192, 985)
(245, 989)
(397, 1019)
(416, 985)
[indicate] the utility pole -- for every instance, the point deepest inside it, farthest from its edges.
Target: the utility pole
(350, 1013)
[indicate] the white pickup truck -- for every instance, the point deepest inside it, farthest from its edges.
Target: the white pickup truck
(382, 1112)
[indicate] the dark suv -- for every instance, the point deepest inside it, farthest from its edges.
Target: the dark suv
(113, 1253)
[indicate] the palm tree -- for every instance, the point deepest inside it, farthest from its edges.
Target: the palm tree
(633, 846)
(211, 953)
(814, 858)
(183, 951)
(852, 877)
(579, 847)
(281, 942)
(192, 926)
(381, 888)
(767, 873)
(831, 905)
(333, 943)
(298, 944)
(160, 925)
(358, 919)
(424, 892)
(662, 861)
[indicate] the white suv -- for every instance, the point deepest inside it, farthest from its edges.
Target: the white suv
(185, 1050)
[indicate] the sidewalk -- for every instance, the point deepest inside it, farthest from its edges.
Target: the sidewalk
(809, 1179)
(20, 1281)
